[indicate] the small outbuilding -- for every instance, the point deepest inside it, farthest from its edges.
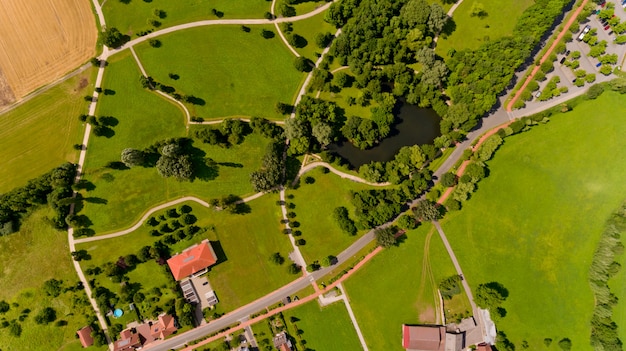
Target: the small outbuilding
(84, 334)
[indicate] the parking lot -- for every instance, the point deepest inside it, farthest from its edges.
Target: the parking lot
(587, 63)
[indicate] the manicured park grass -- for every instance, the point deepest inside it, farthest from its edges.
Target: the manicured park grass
(120, 197)
(38, 244)
(235, 73)
(38, 135)
(116, 12)
(471, 32)
(324, 328)
(308, 29)
(399, 286)
(315, 204)
(534, 223)
(247, 241)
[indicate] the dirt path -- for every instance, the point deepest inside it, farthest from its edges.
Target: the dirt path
(545, 57)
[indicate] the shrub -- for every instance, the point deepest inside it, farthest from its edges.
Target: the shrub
(302, 64)
(448, 179)
(595, 91)
(341, 216)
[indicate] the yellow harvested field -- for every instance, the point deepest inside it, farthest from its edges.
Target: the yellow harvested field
(41, 41)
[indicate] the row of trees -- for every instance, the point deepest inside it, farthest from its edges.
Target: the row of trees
(53, 188)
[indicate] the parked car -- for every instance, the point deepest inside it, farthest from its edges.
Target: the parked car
(537, 94)
(598, 64)
(567, 53)
(562, 60)
(607, 27)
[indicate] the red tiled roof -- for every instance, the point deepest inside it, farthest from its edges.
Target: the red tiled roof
(424, 338)
(192, 260)
(84, 334)
(284, 347)
(127, 344)
(164, 327)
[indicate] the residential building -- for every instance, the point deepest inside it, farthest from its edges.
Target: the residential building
(193, 261)
(84, 334)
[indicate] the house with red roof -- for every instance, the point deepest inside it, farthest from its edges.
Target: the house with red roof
(145, 333)
(483, 346)
(194, 260)
(84, 334)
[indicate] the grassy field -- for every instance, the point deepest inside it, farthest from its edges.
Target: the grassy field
(38, 243)
(235, 73)
(247, 241)
(340, 99)
(122, 196)
(177, 12)
(39, 135)
(399, 286)
(308, 29)
(315, 204)
(324, 328)
(473, 31)
(548, 196)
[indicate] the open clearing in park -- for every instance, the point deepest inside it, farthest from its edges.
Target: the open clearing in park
(177, 12)
(308, 29)
(315, 204)
(234, 72)
(21, 284)
(40, 134)
(548, 196)
(473, 31)
(40, 41)
(399, 286)
(122, 196)
(247, 241)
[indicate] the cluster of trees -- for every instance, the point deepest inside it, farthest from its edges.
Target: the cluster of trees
(174, 157)
(271, 173)
(604, 265)
(450, 286)
(230, 132)
(53, 188)
(101, 125)
(491, 296)
(409, 161)
(113, 38)
(342, 217)
(385, 237)
(151, 84)
(174, 224)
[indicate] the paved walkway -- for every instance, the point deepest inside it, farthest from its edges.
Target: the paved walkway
(546, 56)
(306, 168)
(346, 301)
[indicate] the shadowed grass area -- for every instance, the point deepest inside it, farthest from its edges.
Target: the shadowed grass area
(39, 135)
(534, 223)
(230, 71)
(117, 12)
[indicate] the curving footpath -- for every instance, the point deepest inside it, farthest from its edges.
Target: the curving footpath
(155, 209)
(312, 165)
(213, 23)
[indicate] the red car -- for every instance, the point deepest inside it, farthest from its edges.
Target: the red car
(607, 27)
(603, 4)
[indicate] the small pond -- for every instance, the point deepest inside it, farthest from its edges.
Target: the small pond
(414, 125)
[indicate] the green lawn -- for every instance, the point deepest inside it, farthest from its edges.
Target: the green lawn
(234, 72)
(399, 286)
(534, 223)
(122, 196)
(39, 135)
(308, 29)
(315, 204)
(340, 99)
(324, 328)
(471, 32)
(21, 283)
(247, 241)
(116, 12)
